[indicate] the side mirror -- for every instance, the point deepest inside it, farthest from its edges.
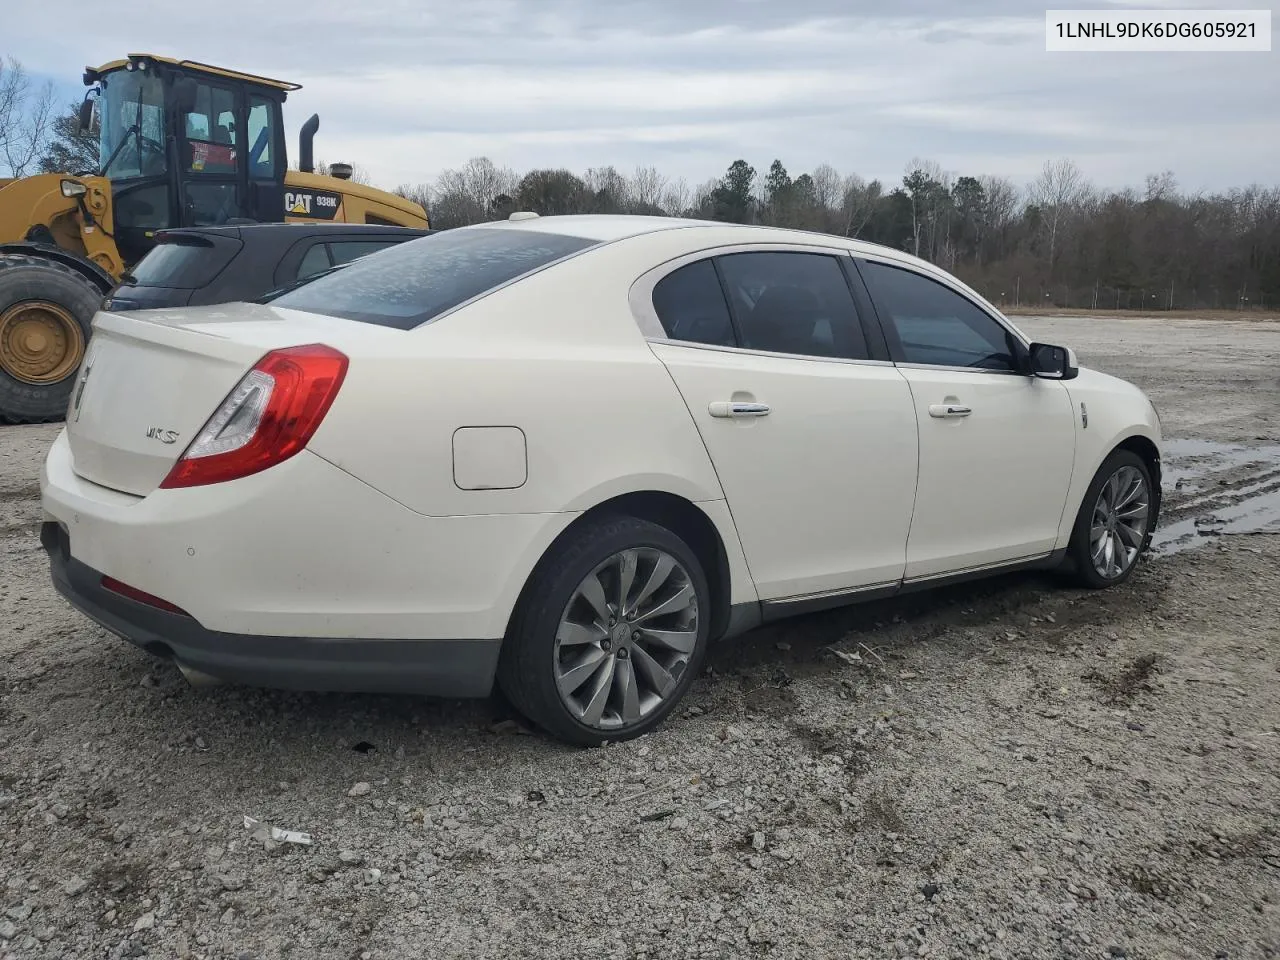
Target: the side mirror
(1051, 362)
(86, 115)
(184, 94)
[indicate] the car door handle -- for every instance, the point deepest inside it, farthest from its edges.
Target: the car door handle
(737, 408)
(948, 410)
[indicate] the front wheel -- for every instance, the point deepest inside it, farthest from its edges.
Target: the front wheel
(46, 310)
(611, 633)
(1113, 527)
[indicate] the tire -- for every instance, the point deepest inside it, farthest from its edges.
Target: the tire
(33, 279)
(1081, 551)
(533, 657)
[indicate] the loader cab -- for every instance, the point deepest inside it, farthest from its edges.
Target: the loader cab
(186, 145)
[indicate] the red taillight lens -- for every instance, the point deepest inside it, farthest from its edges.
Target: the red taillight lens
(270, 415)
(139, 596)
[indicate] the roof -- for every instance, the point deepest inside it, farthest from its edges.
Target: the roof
(296, 229)
(606, 228)
(193, 65)
(602, 227)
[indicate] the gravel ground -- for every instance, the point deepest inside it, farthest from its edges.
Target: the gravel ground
(1012, 769)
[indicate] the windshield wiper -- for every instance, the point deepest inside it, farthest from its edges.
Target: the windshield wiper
(289, 288)
(119, 146)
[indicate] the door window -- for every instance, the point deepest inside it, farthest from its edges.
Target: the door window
(795, 303)
(263, 118)
(211, 131)
(210, 204)
(935, 325)
(690, 305)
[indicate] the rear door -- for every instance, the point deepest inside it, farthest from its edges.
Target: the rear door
(812, 436)
(996, 445)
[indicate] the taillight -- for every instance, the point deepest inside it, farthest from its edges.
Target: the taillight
(270, 415)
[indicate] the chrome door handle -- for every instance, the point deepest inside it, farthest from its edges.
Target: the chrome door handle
(735, 408)
(948, 410)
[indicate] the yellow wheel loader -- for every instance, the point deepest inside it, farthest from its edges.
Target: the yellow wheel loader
(182, 144)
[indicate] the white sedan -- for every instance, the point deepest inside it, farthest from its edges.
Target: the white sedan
(566, 454)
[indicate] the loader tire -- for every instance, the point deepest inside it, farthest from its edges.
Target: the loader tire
(45, 313)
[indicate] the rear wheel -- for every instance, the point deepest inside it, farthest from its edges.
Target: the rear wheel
(45, 313)
(611, 632)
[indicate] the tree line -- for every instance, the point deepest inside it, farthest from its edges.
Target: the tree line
(1058, 241)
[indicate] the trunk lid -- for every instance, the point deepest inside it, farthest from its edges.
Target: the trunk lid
(151, 380)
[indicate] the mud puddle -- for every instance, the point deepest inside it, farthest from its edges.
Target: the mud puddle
(1216, 489)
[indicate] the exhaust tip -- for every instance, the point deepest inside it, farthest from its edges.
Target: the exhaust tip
(198, 679)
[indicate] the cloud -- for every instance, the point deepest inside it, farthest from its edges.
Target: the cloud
(409, 87)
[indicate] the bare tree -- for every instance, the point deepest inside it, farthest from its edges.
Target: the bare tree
(648, 189)
(610, 192)
(676, 197)
(484, 181)
(26, 118)
(1056, 191)
(419, 193)
(1161, 186)
(858, 203)
(828, 187)
(1000, 198)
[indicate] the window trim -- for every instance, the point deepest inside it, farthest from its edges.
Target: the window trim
(640, 298)
(943, 281)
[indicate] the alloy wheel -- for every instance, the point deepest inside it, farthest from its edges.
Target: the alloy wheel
(625, 638)
(1119, 525)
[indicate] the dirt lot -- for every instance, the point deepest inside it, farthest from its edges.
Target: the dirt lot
(1014, 769)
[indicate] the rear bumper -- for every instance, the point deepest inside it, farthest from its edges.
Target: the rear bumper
(446, 668)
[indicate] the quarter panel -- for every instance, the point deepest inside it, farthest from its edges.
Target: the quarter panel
(557, 355)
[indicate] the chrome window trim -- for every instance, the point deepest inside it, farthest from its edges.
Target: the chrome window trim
(640, 296)
(745, 351)
(951, 369)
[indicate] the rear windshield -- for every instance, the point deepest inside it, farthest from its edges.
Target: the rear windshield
(187, 266)
(416, 281)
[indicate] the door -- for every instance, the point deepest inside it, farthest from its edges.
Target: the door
(212, 158)
(265, 160)
(814, 443)
(996, 445)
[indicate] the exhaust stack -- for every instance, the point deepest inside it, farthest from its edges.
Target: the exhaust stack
(306, 136)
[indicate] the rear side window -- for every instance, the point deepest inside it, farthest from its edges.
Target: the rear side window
(691, 306)
(186, 266)
(421, 279)
(315, 261)
(797, 303)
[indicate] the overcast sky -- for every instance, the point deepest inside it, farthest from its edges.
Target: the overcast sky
(407, 88)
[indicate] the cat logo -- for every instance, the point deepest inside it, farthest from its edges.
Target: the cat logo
(298, 204)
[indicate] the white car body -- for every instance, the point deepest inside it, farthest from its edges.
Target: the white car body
(391, 552)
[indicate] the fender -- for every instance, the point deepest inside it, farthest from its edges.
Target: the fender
(86, 268)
